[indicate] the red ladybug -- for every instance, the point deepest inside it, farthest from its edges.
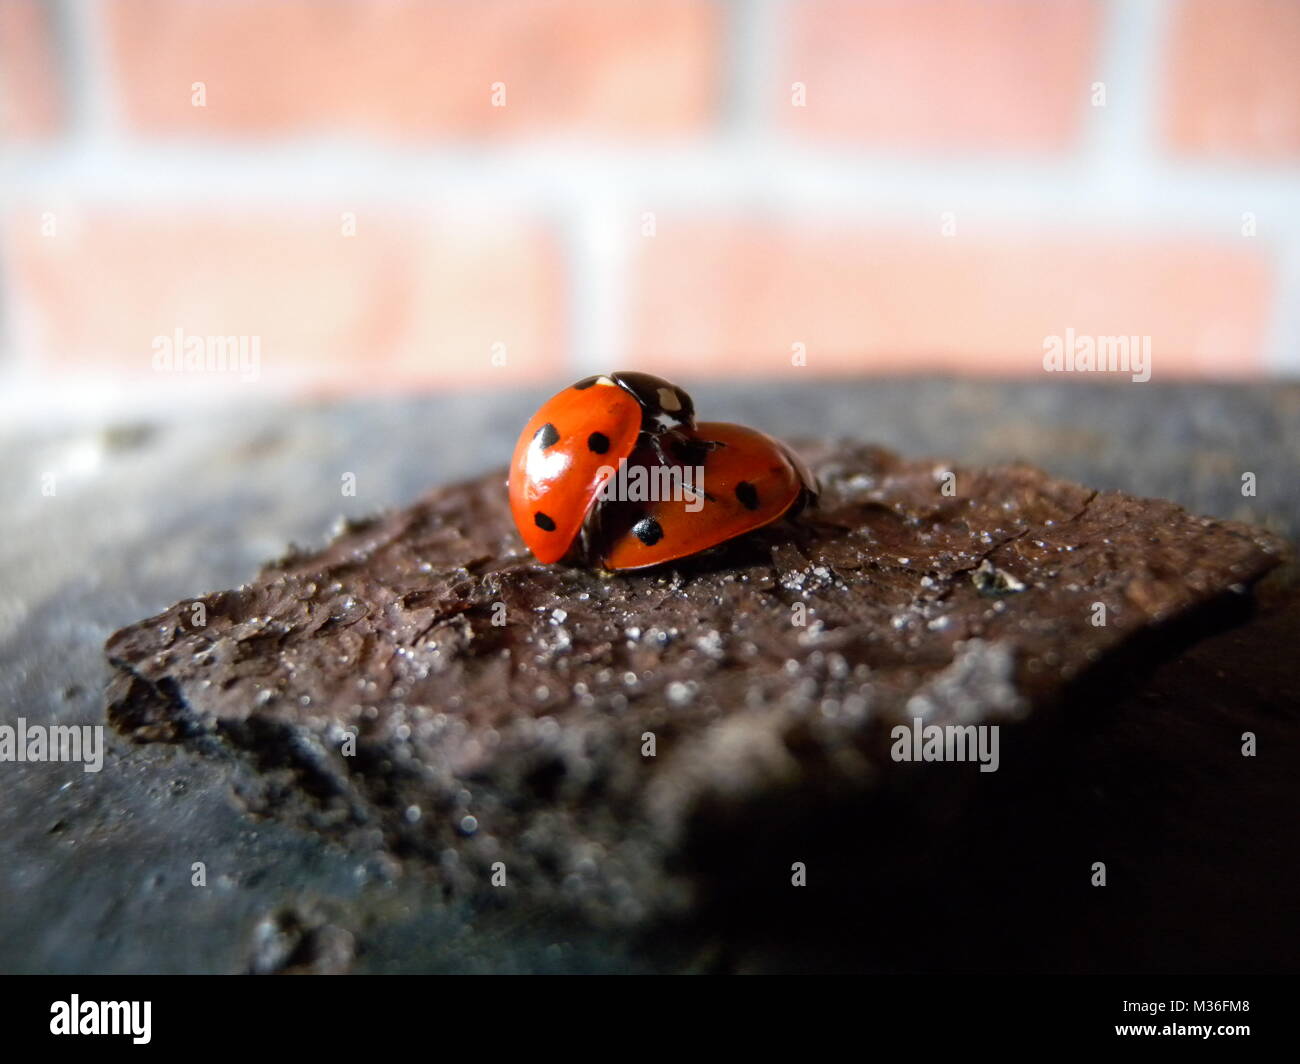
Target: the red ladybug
(749, 480)
(574, 443)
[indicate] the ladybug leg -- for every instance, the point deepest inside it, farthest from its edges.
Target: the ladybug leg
(686, 450)
(588, 548)
(675, 448)
(700, 449)
(657, 447)
(697, 444)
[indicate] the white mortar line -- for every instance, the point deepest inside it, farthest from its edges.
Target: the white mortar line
(752, 54)
(598, 264)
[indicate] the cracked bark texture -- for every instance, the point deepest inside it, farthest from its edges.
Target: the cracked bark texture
(769, 674)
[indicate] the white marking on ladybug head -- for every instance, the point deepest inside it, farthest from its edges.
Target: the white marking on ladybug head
(604, 380)
(669, 401)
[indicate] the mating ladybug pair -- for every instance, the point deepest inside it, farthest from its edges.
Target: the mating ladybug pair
(582, 438)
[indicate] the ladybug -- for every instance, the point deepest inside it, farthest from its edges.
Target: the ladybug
(749, 480)
(574, 444)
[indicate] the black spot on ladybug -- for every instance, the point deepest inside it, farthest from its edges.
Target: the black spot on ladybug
(585, 383)
(598, 442)
(648, 531)
(543, 522)
(747, 494)
(546, 436)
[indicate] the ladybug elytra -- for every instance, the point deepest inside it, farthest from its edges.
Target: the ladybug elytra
(749, 480)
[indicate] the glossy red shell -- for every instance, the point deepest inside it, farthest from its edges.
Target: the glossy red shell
(750, 481)
(554, 481)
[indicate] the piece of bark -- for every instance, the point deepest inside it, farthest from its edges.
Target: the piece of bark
(502, 709)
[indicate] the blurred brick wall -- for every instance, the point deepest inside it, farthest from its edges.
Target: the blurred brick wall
(425, 194)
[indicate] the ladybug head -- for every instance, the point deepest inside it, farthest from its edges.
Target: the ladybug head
(665, 406)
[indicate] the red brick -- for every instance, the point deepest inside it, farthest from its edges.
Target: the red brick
(416, 69)
(940, 74)
(31, 98)
(405, 301)
(876, 301)
(1233, 86)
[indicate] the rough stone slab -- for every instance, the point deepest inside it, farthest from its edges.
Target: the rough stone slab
(522, 743)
